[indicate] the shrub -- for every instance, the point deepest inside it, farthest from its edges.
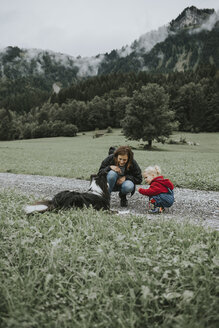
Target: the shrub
(109, 129)
(69, 130)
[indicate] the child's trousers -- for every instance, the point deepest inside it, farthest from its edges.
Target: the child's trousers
(163, 199)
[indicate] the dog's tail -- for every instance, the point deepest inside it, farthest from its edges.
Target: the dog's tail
(39, 207)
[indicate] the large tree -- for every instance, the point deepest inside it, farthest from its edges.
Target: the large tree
(6, 124)
(191, 107)
(148, 116)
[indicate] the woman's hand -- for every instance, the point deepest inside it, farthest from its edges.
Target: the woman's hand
(120, 180)
(115, 168)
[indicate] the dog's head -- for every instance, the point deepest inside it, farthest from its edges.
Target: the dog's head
(99, 181)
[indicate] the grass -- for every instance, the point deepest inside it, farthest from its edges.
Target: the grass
(188, 166)
(93, 269)
(87, 269)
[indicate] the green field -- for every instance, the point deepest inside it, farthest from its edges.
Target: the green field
(189, 166)
(87, 269)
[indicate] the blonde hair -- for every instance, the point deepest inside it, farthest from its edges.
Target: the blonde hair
(156, 170)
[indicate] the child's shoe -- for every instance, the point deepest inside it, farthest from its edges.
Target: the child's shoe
(156, 210)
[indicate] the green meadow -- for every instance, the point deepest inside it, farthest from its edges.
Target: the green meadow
(88, 269)
(188, 166)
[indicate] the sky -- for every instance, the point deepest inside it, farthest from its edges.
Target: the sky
(85, 27)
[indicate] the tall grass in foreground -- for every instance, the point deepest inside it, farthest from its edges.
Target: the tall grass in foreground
(92, 269)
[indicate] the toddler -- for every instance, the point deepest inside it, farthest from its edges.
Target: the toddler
(160, 192)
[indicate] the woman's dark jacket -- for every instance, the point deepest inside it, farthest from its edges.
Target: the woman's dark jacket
(133, 173)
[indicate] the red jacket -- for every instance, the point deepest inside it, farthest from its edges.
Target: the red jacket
(157, 186)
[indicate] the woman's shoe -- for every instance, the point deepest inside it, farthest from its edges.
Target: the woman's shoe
(123, 200)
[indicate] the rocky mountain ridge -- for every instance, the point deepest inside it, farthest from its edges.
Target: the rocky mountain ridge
(191, 17)
(183, 44)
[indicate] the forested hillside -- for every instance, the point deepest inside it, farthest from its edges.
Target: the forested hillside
(100, 102)
(47, 94)
(180, 51)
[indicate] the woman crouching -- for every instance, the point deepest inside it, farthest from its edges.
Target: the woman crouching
(123, 172)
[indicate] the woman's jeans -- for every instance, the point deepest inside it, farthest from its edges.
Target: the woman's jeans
(126, 187)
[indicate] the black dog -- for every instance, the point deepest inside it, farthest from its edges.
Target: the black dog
(96, 196)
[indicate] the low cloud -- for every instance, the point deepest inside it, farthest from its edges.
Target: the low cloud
(146, 41)
(209, 24)
(88, 65)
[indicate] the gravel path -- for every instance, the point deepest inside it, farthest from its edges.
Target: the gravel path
(201, 207)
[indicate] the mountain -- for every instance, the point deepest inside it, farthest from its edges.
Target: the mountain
(191, 17)
(192, 39)
(18, 63)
